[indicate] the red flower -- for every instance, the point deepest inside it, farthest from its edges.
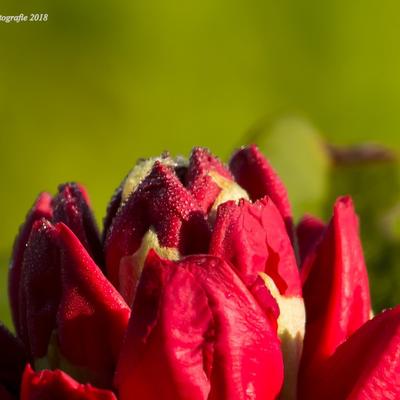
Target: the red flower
(204, 256)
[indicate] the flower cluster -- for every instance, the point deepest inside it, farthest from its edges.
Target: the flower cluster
(199, 287)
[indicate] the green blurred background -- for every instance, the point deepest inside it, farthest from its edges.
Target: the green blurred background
(103, 83)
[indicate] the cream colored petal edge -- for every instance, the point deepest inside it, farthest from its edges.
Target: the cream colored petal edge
(291, 329)
(230, 190)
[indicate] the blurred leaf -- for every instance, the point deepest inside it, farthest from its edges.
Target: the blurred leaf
(374, 184)
(316, 173)
(297, 152)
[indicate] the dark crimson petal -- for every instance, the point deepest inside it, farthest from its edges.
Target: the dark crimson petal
(366, 366)
(253, 238)
(40, 288)
(132, 180)
(195, 333)
(255, 174)
(71, 207)
(12, 362)
(5, 394)
(162, 203)
(57, 385)
(198, 179)
(308, 231)
(92, 317)
(41, 209)
(336, 291)
(112, 209)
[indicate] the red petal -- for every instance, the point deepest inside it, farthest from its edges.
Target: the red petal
(92, 316)
(198, 179)
(254, 173)
(160, 202)
(12, 362)
(51, 385)
(40, 288)
(336, 291)
(41, 209)
(309, 231)
(253, 238)
(367, 365)
(196, 332)
(71, 207)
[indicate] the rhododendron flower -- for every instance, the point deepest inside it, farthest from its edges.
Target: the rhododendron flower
(200, 287)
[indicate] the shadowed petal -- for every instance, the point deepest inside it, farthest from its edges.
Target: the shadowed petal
(5, 394)
(71, 206)
(40, 288)
(12, 362)
(309, 230)
(41, 209)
